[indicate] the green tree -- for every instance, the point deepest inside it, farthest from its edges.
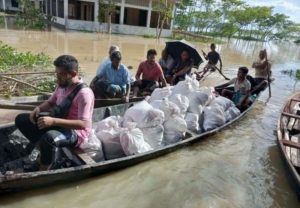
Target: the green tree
(30, 17)
(164, 8)
(106, 10)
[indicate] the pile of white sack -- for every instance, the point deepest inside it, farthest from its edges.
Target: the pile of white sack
(163, 119)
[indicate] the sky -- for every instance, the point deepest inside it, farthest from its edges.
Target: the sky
(290, 8)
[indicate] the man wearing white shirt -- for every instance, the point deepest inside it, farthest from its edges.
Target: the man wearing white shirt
(107, 60)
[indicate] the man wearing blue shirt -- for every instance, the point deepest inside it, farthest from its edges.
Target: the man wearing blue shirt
(113, 81)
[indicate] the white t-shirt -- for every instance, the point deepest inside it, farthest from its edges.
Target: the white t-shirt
(244, 87)
(104, 62)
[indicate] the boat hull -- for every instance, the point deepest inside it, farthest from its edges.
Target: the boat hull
(25, 181)
(283, 137)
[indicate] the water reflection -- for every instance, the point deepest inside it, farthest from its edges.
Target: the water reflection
(239, 167)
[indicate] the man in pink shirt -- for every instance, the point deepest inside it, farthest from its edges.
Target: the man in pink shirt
(72, 126)
(151, 72)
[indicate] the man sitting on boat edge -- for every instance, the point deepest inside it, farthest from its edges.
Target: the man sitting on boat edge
(151, 72)
(113, 81)
(241, 91)
(69, 122)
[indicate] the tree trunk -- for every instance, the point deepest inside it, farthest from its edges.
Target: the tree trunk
(157, 26)
(161, 27)
(109, 23)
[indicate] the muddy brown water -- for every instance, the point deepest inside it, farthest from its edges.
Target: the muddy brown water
(239, 167)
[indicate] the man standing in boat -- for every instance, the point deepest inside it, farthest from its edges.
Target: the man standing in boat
(69, 119)
(113, 81)
(262, 70)
(152, 73)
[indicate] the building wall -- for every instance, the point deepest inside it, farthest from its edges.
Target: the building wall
(8, 5)
(130, 22)
(116, 28)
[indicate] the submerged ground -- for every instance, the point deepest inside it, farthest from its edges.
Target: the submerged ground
(239, 167)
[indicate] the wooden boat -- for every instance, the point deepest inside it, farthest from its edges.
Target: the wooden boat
(29, 103)
(23, 181)
(288, 135)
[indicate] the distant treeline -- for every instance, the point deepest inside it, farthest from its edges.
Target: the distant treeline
(234, 18)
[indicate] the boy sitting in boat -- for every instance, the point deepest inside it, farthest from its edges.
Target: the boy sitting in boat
(68, 120)
(151, 72)
(113, 81)
(241, 89)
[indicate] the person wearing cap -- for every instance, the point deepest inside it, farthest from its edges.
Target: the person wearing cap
(113, 81)
(107, 60)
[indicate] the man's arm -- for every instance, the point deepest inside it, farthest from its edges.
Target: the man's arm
(223, 85)
(138, 73)
(85, 102)
(44, 107)
(260, 65)
(46, 122)
(163, 80)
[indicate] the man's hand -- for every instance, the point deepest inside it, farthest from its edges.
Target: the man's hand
(34, 114)
(45, 122)
(125, 99)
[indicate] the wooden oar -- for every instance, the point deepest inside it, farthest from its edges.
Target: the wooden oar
(17, 107)
(220, 72)
(268, 68)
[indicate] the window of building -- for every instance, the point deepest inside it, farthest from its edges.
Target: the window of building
(14, 3)
(136, 17)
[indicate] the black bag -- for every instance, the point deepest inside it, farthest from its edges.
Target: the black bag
(62, 110)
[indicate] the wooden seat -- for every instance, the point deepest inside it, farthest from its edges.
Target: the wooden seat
(84, 156)
(290, 115)
(296, 100)
(291, 143)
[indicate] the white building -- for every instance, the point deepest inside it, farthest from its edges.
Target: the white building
(132, 17)
(9, 5)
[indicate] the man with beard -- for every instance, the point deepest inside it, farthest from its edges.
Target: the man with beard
(69, 121)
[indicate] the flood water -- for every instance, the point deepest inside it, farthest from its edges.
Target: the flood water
(238, 167)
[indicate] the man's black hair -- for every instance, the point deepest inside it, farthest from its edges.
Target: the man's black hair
(66, 62)
(244, 69)
(151, 52)
(212, 45)
(116, 55)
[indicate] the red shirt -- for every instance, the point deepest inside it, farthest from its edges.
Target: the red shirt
(150, 72)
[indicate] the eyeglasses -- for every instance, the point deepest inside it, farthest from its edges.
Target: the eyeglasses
(61, 74)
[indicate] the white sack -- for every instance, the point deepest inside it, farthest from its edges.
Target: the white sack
(160, 93)
(197, 99)
(144, 115)
(232, 113)
(214, 117)
(132, 142)
(93, 146)
(224, 102)
(156, 104)
(209, 92)
(183, 88)
(192, 121)
(175, 129)
(153, 136)
(181, 101)
(108, 132)
(110, 122)
(112, 148)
